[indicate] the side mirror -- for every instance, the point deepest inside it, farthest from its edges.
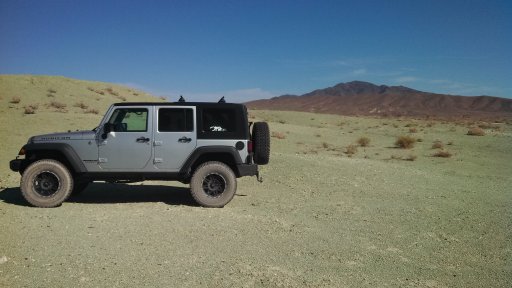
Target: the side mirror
(107, 127)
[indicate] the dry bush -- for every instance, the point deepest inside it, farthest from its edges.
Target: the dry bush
(363, 141)
(15, 100)
(411, 158)
(351, 149)
(450, 143)
(413, 130)
(318, 135)
(122, 98)
(278, 135)
(438, 144)
(91, 111)
(52, 91)
(29, 110)
(442, 153)
(57, 105)
(476, 131)
(325, 145)
(50, 95)
(81, 105)
(419, 140)
(396, 157)
(111, 91)
(405, 142)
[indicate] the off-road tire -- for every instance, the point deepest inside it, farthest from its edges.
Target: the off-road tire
(261, 142)
(46, 183)
(213, 184)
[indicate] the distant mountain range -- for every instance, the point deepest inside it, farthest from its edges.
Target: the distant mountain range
(363, 98)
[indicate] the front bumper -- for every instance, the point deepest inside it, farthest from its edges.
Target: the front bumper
(15, 165)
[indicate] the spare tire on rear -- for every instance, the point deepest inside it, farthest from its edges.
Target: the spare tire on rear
(261, 143)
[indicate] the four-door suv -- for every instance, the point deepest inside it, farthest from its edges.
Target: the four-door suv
(208, 145)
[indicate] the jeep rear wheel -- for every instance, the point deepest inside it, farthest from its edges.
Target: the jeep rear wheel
(261, 142)
(46, 183)
(213, 184)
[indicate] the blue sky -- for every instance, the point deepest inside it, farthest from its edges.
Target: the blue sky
(259, 49)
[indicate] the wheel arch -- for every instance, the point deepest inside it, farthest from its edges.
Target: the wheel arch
(225, 154)
(61, 152)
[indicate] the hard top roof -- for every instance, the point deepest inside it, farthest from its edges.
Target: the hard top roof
(176, 104)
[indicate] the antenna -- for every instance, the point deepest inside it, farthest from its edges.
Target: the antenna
(181, 99)
(222, 100)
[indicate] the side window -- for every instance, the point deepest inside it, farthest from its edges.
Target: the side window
(129, 120)
(219, 120)
(175, 120)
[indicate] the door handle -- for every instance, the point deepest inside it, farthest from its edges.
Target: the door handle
(184, 139)
(142, 140)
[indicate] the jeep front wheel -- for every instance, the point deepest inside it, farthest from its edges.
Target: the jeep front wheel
(46, 183)
(213, 184)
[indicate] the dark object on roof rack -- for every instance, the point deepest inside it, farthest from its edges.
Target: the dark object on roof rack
(181, 99)
(222, 100)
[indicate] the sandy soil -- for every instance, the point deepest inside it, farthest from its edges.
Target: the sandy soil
(319, 219)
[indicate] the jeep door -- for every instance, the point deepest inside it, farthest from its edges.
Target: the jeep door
(127, 146)
(175, 136)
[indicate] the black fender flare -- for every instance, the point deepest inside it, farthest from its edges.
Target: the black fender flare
(201, 151)
(65, 149)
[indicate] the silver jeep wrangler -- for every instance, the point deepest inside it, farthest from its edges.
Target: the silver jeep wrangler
(208, 145)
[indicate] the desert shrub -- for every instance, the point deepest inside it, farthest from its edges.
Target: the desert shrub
(281, 122)
(122, 98)
(411, 158)
(351, 149)
(278, 135)
(30, 109)
(318, 135)
(91, 111)
(15, 100)
(57, 105)
(363, 141)
(325, 145)
(476, 131)
(50, 95)
(81, 105)
(51, 91)
(442, 153)
(419, 140)
(137, 94)
(405, 142)
(396, 157)
(438, 144)
(413, 130)
(111, 91)
(450, 143)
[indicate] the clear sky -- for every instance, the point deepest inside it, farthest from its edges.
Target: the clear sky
(259, 49)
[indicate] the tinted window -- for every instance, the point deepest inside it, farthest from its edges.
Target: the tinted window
(219, 120)
(175, 120)
(129, 120)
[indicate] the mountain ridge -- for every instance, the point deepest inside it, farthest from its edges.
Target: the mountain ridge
(365, 98)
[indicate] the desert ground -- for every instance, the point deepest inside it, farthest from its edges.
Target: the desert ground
(332, 211)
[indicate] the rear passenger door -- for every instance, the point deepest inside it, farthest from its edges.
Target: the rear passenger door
(175, 136)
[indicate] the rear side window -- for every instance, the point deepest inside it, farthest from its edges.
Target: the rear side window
(175, 120)
(219, 120)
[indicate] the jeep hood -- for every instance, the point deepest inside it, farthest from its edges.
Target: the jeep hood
(64, 136)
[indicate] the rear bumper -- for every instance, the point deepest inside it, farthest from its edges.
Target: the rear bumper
(247, 170)
(15, 165)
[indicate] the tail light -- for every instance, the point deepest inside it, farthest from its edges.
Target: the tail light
(249, 146)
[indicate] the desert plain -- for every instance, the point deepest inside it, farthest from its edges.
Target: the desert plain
(332, 211)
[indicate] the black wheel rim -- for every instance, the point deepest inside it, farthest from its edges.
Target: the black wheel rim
(214, 185)
(46, 184)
